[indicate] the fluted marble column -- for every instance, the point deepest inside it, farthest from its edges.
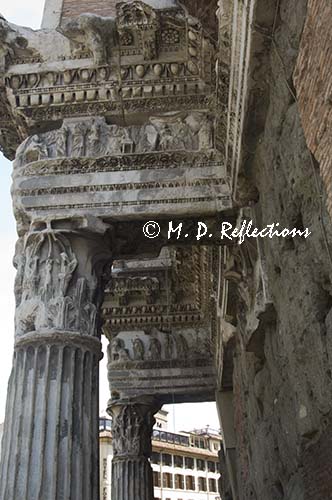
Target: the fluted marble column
(50, 441)
(132, 432)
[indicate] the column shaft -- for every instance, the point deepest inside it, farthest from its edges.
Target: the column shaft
(52, 405)
(132, 479)
(50, 441)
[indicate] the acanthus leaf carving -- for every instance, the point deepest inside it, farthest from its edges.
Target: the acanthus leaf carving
(49, 293)
(132, 427)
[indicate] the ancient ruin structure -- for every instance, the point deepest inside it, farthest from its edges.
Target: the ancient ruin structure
(120, 113)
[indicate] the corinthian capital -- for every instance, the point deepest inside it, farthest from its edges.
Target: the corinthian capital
(58, 281)
(133, 422)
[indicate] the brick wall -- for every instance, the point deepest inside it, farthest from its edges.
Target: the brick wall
(313, 84)
(73, 8)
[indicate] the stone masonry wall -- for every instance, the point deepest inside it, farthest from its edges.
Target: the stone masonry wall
(317, 465)
(283, 399)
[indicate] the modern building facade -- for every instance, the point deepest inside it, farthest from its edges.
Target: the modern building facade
(185, 465)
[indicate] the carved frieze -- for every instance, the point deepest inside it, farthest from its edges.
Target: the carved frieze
(169, 159)
(152, 347)
(94, 138)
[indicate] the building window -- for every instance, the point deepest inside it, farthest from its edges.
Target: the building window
(163, 436)
(184, 440)
(156, 479)
(167, 480)
(200, 464)
(189, 463)
(202, 484)
(179, 482)
(178, 461)
(105, 469)
(212, 485)
(199, 443)
(167, 459)
(177, 439)
(155, 458)
(212, 466)
(190, 483)
(105, 424)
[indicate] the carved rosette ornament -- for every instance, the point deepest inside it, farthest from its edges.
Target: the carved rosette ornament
(50, 444)
(133, 422)
(141, 17)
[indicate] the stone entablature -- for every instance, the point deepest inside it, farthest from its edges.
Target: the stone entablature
(135, 93)
(171, 290)
(142, 60)
(158, 318)
(168, 164)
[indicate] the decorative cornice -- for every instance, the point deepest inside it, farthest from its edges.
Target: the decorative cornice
(162, 64)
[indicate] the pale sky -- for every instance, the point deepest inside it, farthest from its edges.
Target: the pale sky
(182, 417)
